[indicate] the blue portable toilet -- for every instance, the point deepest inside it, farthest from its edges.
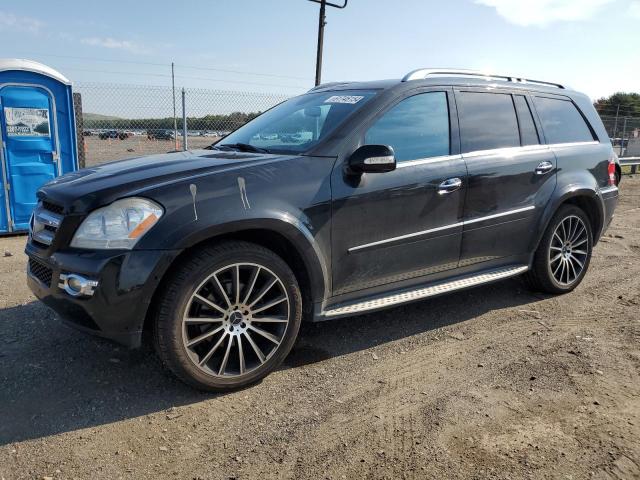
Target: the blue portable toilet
(38, 136)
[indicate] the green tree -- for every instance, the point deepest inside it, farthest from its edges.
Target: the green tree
(626, 104)
(208, 122)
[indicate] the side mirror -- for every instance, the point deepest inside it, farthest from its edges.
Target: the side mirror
(372, 159)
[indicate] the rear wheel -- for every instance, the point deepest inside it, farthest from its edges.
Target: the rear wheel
(564, 253)
(228, 317)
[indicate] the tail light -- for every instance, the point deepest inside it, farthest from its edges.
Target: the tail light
(611, 170)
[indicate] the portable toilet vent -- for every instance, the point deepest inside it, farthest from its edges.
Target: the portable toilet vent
(37, 135)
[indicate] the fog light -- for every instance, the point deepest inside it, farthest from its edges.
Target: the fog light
(77, 285)
(74, 283)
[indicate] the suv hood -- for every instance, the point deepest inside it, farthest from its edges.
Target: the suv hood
(90, 188)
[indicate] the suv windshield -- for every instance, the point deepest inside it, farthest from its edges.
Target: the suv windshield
(297, 125)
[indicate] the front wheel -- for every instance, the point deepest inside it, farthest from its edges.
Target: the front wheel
(564, 253)
(228, 317)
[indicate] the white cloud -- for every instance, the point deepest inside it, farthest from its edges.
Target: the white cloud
(544, 12)
(9, 21)
(113, 43)
(634, 9)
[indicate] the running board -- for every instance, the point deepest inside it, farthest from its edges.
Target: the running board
(426, 292)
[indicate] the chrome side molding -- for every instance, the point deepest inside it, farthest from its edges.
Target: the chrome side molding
(497, 215)
(438, 229)
(426, 292)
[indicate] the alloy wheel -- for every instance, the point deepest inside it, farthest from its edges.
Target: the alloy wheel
(569, 249)
(235, 320)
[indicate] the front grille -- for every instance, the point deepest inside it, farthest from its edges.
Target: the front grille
(44, 223)
(40, 271)
(52, 207)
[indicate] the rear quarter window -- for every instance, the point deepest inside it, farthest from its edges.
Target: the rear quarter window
(561, 121)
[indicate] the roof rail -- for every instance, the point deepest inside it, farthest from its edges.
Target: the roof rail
(328, 84)
(423, 73)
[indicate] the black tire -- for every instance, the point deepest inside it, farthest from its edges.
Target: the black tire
(541, 276)
(193, 276)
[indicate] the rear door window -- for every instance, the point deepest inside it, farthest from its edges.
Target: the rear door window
(528, 131)
(561, 121)
(416, 128)
(487, 121)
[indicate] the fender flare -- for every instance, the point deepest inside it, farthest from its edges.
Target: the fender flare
(561, 196)
(293, 229)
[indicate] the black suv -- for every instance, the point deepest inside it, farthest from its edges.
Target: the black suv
(160, 135)
(348, 199)
(113, 134)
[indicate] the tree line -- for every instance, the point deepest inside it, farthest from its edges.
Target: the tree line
(624, 104)
(207, 122)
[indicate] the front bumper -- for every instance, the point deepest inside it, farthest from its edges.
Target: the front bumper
(118, 307)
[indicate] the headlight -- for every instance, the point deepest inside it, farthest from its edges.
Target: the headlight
(119, 225)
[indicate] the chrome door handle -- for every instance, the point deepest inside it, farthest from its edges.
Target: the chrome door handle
(544, 167)
(449, 185)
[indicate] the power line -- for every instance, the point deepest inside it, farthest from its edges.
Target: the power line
(243, 72)
(299, 87)
(164, 65)
(161, 75)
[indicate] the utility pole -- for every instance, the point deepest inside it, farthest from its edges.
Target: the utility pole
(624, 132)
(322, 21)
(185, 144)
(175, 120)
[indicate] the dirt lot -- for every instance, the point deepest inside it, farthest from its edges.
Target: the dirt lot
(494, 382)
(101, 151)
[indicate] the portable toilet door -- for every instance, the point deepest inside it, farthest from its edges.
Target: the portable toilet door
(33, 98)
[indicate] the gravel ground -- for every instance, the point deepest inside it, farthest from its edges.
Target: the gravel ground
(494, 382)
(102, 151)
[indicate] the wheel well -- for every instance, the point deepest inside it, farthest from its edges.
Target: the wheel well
(589, 206)
(270, 239)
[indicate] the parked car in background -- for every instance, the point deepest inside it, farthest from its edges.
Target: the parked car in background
(394, 191)
(160, 135)
(113, 134)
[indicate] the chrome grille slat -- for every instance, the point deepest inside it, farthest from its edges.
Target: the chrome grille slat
(52, 207)
(44, 223)
(43, 236)
(48, 218)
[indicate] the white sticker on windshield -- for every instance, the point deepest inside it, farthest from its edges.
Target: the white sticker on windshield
(351, 99)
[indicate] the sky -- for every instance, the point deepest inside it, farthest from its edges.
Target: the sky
(270, 45)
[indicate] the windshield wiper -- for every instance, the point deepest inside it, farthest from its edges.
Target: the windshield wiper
(243, 147)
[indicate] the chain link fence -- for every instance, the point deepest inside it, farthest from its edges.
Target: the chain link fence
(124, 121)
(624, 132)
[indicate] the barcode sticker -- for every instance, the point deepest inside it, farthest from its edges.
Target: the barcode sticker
(350, 99)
